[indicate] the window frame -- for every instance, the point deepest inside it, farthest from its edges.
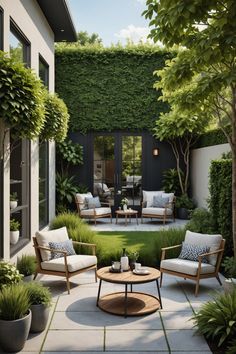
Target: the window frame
(1, 27)
(16, 31)
(45, 80)
(46, 181)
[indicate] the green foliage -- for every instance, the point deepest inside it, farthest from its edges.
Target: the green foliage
(22, 99)
(200, 221)
(216, 319)
(26, 264)
(57, 118)
(210, 138)
(83, 38)
(109, 88)
(8, 274)
(14, 225)
(65, 189)
(13, 197)
(170, 181)
(220, 203)
(184, 201)
(229, 265)
(38, 294)
(14, 302)
(69, 153)
(232, 347)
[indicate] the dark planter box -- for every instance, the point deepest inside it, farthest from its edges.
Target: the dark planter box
(183, 213)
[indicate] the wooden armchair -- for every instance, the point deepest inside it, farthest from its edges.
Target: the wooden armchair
(94, 209)
(65, 265)
(195, 270)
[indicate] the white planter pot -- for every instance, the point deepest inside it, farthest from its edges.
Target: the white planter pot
(13, 204)
(229, 285)
(125, 207)
(14, 237)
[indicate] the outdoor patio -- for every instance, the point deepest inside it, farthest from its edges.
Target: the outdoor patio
(76, 325)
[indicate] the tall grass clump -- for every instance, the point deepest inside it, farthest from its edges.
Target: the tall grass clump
(14, 302)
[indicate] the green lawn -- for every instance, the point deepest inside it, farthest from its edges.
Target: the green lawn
(148, 244)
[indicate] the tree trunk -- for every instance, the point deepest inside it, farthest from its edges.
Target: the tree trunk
(233, 147)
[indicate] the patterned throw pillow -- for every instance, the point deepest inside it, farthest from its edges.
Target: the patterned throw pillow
(93, 202)
(64, 246)
(191, 252)
(159, 201)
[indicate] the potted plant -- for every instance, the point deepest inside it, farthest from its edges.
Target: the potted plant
(184, 205)
(14, 231)
(26, 265)
(40, 302)
(133, 257)
(124, 202)
(229, 265)
(13, 200)
(15, 317)
(9, 274)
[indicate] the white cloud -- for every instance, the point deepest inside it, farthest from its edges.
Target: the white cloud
(143, 2)
(135, 34)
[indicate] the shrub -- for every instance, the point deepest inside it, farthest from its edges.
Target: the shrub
(229, 265)
(216, 319)
(184, 201)
(14, 225)
(200, 221)
(14, 302)
(26, 264)
(38, 294)
(8, 274)
(170, 182)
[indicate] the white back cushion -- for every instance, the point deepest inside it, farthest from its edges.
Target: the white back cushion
(168, 195)
(44, 237)
(148, 197)
(80, 197)
(212, 241)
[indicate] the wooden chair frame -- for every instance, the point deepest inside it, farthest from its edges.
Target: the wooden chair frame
(198, 276)
(93, 216)
(165, 216)
(65, 273)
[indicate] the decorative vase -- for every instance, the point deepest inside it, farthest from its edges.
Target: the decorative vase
(14, 237)
(13, 204)
(13, 334)
(125, 207)
(40, 314)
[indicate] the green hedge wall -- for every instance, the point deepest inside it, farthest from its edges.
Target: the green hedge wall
(221, 199)
(210, 138)
(110, 88)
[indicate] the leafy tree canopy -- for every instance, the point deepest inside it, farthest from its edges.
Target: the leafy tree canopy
(83, 39)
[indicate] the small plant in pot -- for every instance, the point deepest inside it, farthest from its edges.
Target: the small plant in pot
(14, 231)
(184, 205)
(229, 265)
(8, 274)
(26, 264)
(15, 317)
(13, 200)
(40, 302)
(133, 257)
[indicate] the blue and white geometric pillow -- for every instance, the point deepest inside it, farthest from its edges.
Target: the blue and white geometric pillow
(63, 246)
(191, 252)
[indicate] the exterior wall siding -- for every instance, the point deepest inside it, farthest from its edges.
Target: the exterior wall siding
(200, 168)
(28, 16)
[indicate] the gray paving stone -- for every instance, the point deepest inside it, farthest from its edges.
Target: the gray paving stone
(74, 340)
(177, 320)
(186, 340)
(135, 340)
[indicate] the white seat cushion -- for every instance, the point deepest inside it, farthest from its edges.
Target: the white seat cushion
(76, 262)
(212, 241)
(98, 211)
(156, 211)
(185, 266)
(44, 237)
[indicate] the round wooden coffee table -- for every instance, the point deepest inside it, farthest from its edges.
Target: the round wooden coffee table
(128, 303)
(127, 213)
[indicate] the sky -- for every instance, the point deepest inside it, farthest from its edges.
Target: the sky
(112, 20)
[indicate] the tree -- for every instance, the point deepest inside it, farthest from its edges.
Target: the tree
(203, 74)
(83, 39)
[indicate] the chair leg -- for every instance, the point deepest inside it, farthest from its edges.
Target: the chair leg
(96, 278)
(68, 284)
(197, 287)
(35, 275)
(161, 279)
(111, 219)
(218, 278)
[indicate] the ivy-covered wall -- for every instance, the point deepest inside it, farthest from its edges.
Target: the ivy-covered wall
(110, 88)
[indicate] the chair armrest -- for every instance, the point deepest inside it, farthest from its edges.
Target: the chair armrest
(210, 253)
(106, 203)
(163, 250)
(92, 245)
(50, 249)
(143, 204)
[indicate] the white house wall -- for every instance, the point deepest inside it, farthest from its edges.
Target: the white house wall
(200, 168)
(28, 16)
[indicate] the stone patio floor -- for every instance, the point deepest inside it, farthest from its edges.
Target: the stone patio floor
(76, 325)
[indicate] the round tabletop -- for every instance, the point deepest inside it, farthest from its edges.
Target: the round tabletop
(126, 212)
(128, 277)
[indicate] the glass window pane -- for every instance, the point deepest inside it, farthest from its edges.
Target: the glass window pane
(43, 71)
(43, 184)
(16, 48)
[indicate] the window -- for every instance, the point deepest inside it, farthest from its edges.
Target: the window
(20, 187)
(43, 71)
(19, 45)
(1, 28)
(43, 184)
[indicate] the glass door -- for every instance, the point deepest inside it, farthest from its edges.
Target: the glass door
(117, 168)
